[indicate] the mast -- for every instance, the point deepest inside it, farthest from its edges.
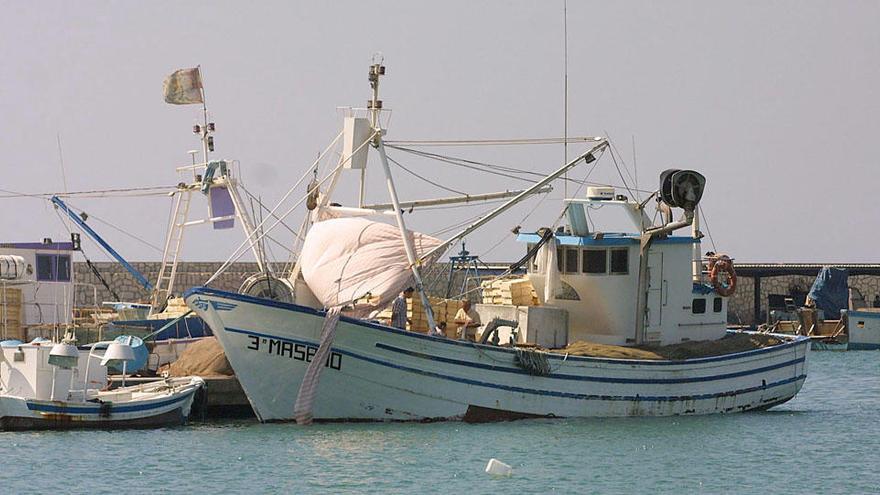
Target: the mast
(375, 106)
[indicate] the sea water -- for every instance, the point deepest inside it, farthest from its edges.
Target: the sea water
(827, 440)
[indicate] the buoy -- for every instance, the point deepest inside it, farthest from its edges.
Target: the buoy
(498, 468)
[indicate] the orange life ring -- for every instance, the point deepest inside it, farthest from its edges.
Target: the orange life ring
(723, 264)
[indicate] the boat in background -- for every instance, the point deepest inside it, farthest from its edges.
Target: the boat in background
(53, 386)
(835, 317)
(329, 360)
(166, 323)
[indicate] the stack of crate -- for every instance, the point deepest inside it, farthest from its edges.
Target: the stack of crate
(444, 311)
(510, 291)
(11, 314)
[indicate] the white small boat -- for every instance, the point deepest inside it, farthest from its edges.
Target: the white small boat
(645, 288)
(56, 386)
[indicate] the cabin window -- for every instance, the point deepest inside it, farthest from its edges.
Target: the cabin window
(53, 268)
(717, 304)
(571, 260)
(698, 306)
(560, 259)
(595, 260)
(620, 261)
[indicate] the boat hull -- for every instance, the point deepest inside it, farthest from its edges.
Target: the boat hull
(380, 373)
(20, 413)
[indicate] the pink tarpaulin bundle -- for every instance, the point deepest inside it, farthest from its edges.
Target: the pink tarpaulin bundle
(347, 259)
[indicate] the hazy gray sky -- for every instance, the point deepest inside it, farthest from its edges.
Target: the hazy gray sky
(777, 103)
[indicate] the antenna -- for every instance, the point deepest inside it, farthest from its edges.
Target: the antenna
(565, 90)
(374, 106)
(206, 128)
(635, 164)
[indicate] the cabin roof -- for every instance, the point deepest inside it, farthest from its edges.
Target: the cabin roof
(53, 246)
(608, 239)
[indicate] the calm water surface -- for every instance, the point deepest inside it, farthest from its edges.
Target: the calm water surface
(827, 440)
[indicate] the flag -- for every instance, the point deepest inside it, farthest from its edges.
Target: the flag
(183, 87)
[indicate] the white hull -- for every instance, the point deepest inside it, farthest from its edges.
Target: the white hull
(153, 404)
(381, 373)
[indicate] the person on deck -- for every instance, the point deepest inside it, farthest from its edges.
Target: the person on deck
(877, 300)
(398, 309)
(467, 321)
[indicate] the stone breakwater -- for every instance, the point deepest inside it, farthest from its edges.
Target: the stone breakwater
(741, 310)
(89, 288)
(190, 274)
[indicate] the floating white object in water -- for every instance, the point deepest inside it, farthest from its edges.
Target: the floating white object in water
(498, 468)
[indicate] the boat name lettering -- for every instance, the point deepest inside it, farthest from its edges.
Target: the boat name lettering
(300, 352)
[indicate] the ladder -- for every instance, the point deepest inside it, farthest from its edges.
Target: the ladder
(173, 244)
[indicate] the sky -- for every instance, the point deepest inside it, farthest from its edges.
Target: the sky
(776, 103)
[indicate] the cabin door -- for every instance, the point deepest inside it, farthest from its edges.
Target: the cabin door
(655, 295)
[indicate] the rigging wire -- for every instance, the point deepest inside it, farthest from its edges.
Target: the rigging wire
(613, 159)
(79, 211)
(459, 224)
(702, 213)
(469, 164)
(491, 142)
(634, 180)
(264, 207)
(507, 236)
(582, 184)
(464, 205)
(243, 247)
(481, 167)
(96, 193)
(429, 181)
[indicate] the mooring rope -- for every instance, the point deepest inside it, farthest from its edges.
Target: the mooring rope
(535, 362)
(305, 399)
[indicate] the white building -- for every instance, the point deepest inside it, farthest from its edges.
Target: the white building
(43, 271)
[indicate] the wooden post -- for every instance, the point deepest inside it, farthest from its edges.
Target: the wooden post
(757, 302)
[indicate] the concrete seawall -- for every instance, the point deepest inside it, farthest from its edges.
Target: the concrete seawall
(742, 305)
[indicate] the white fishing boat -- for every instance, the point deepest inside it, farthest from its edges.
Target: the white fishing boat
(322, 356)
(48, 386)
(166, 322)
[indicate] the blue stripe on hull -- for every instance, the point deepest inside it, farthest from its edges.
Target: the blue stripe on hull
(853, 346)
(601, 379)
(207, 291)
(79, 410)
(511, 388)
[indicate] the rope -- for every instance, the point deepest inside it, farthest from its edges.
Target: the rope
(100, 277)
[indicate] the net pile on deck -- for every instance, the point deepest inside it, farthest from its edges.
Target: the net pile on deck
(204, 357)
(686, 350)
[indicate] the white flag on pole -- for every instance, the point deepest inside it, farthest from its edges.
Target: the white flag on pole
(184, 87)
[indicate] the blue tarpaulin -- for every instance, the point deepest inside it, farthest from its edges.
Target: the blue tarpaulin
(830, 291)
